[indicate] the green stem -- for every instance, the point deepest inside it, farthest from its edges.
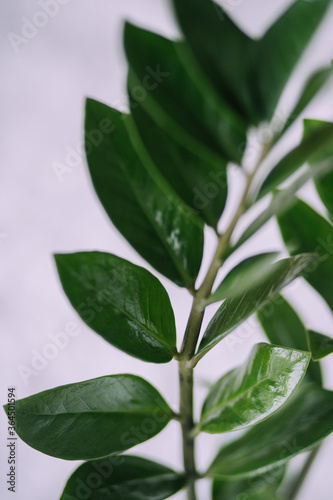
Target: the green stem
(303, 474)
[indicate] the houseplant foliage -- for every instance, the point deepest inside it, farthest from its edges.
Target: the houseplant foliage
(161, 176)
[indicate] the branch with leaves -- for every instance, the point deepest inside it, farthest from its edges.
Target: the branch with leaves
(161, 174)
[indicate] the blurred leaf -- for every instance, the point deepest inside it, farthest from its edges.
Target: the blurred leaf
(200, 185)
(123, 477)
(165, 81)
(247, 274)
(312, 87)
(324, 184)
(298, 426)
(236, 310)
(280, 49)
(139, 202)
(320, 345)
(281, 201)
(253, 488)
(252, 392)
(92, 419)
(314, 143)
(123, 303)
(284, 327)
(304, 230)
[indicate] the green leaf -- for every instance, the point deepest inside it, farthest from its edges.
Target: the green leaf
(315, 142)
(236, 310)
(281, 201)
(122, 302)
(284, 327)
(201, 185)
(247, 274)
(324, 184)
(312, 87)
(280, 49)
(252, 392)
(166, 82)
(122, 477)
(139, 202)
(257, 488)
(216, 43)
(92, 419)
(297, 427)
(304, 230)
(320, 345)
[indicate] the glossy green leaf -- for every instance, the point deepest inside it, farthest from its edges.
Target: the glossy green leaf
(314, 143)
(284, 327)
(216, 43)
(280, 49)
(304, 230)
(320, 345)
(312, 87)
(122, 302)
(281, 201)
(92, 419)
(247, 274)
(139, 202)
(324, 184)
(201, 185)
(165, 81)
(252, 392)
(252, 488)
(298, 426)
(236, 310)
(122, 477)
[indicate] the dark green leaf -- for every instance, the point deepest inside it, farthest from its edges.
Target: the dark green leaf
(166, 82)
(122, 477)
(313, 86)
(283, 327)
(297, 427)
(216, 43)
(201, 185)
(247, 274)
(122, 302)
(139, 202)
(282, 200)
(257, 488)
(320, 345)
(324, 184)
(92, 419)
(304, 230)
(314, 143)
(280, 49)
(236, 310)
(252, 392)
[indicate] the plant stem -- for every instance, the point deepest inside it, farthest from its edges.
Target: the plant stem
(186, 357)
(302, 476)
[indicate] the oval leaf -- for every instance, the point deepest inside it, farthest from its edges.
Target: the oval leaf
(141, 205)
(297, 427)
(304, 230)
(122, 477)
(122, 302)
(284, 327)
(92, 419)
(234, 311)
(320, 345)
(252, 392)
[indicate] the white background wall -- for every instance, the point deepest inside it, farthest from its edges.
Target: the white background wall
(43, 85)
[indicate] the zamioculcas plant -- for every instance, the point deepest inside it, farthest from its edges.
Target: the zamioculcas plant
(161, 174)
